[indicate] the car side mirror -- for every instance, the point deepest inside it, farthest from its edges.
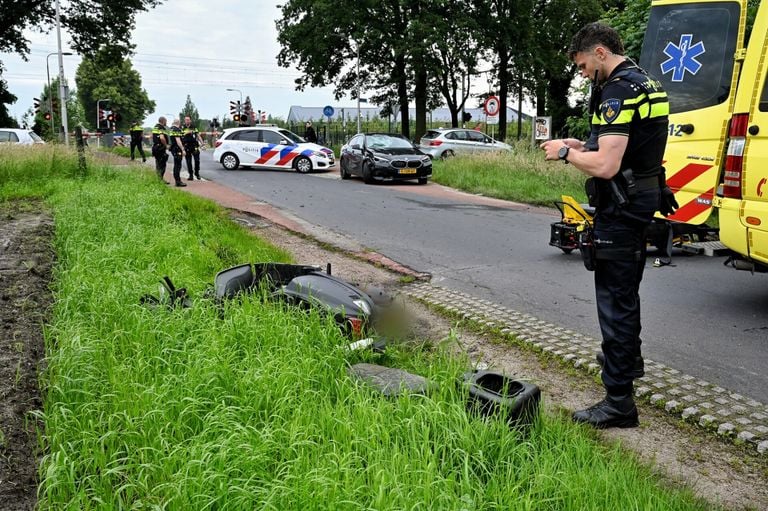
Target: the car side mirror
(283, 142)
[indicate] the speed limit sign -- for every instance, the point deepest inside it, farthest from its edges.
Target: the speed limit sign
(491, 106)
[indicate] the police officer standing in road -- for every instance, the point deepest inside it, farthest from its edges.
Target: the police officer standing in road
(137, 140)
(177, 150)
(192, 142)
(160, 146)
(623, 158)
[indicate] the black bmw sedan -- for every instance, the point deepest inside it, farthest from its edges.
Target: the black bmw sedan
(384, 157)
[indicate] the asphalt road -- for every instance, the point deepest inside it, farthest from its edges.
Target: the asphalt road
(700, 317)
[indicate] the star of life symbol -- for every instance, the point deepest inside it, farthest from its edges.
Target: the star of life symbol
(682, 58)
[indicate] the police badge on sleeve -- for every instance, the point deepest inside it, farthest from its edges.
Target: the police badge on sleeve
(610, 109)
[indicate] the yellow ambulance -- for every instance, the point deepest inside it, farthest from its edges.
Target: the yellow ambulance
(717, 150)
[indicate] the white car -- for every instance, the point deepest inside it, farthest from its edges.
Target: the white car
(270, 147)
(446, 142)
(19, 136)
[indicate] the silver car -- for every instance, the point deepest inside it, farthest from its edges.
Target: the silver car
(446, 142)
(19, 136)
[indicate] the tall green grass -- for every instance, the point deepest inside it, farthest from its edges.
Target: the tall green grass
(250, 406)
(521, 175)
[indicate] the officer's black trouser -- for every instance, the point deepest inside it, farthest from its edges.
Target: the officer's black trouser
(138, 144)
(177, 159)
(161, 158)
(189, 154)
(620, 244)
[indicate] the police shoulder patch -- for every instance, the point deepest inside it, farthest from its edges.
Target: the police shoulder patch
(609, 109)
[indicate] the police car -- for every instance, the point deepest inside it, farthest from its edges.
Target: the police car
(270, 147)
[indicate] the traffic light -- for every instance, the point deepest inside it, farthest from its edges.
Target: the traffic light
(101, 114)
(111, 117)
(236, 117)
(47, 116)
(37, 105)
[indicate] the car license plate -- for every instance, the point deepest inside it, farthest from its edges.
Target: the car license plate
(407, 171)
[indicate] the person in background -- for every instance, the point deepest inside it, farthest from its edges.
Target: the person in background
(309, 133)
(137, 140)
(160, 146)
(192, 142)
(626, 186)
(177, 150)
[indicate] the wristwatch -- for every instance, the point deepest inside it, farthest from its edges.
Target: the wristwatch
(563, 153)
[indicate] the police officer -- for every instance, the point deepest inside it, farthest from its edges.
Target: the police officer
(192, 142)
(160, 143)
(623, 158)
(137, 140)
(177, 150)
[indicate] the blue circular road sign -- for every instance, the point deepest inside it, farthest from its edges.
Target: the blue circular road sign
(328, 111)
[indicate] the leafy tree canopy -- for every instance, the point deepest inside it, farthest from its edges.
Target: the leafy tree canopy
(102, 77)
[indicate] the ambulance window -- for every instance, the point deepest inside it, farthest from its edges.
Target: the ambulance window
(763, 106)
(690, 49)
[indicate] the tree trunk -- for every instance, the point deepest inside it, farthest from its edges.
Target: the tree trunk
(402, 96)
(420, 99)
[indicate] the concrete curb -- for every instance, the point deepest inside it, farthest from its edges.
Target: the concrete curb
(730, 416)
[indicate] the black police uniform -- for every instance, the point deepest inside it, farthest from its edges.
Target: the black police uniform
(137, 141)
(631, 104)
(175, 135)
(192, 149)
(159, 148)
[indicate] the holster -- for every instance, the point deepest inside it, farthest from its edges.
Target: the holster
(593, 192)
(586, 240)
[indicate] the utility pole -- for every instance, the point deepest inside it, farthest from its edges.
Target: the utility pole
(62, 95)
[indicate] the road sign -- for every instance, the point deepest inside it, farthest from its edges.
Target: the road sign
(491, 106)
(328, 111)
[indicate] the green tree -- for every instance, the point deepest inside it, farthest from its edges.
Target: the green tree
(91, 24)
(6, 98)
(190, 110)
(105, 77)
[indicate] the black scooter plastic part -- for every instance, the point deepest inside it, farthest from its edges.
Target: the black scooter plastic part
(492, 393)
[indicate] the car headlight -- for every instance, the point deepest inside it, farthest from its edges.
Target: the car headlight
(318, 153)
(426, 159)
(379, 159)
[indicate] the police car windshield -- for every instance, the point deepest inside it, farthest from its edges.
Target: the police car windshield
(293, 137)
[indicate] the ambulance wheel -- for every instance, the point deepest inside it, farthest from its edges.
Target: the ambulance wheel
(229, 161)
(303, 165)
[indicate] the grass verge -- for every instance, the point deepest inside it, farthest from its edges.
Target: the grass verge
(252, 408)
(521, 175)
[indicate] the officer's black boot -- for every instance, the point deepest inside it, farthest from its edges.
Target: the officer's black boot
(638, 370)
(614, 411)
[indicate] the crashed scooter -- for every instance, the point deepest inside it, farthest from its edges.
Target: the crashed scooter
(308, 287)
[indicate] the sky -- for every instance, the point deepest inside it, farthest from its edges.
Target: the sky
(197, 48)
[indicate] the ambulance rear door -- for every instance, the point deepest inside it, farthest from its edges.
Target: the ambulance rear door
(745, 190)
(691, 48)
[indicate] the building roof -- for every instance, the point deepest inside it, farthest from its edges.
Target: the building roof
(315, 114)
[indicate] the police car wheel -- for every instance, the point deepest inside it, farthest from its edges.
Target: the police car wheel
(303, 165)
(230, 161)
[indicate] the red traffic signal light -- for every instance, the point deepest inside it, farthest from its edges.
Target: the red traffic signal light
(47, 116)
(111, 118)
(236, 117)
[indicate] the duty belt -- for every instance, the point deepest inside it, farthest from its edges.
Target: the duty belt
(646, 183)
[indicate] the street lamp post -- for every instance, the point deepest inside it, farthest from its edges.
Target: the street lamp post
(50, 93)
(98, 118)
(62, 95)
(239, 105)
